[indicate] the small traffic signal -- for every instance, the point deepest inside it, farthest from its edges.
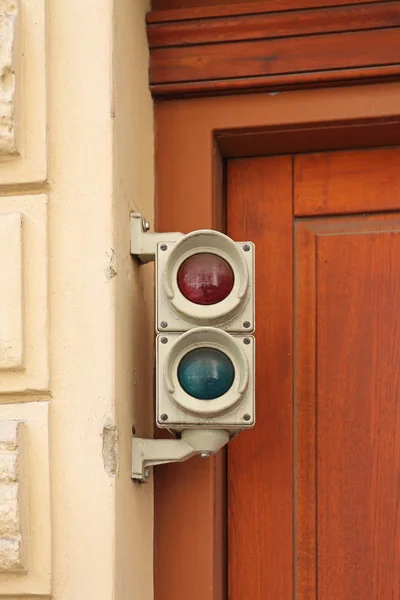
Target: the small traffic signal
(205, 311)
(205, 350)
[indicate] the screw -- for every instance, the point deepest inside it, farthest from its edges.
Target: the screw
(246, 248)
(246, 341)
(164, 417)
(164, 324)
(246, 324)
(146, 473)
(164, 340)
(246, 417)
(205, 455)
(145, 224)
(163, 247)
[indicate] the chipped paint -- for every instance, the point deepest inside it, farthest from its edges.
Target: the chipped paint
(110, 449)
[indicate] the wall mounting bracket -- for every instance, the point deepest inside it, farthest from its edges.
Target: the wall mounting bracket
(149, 452)
(143, 242)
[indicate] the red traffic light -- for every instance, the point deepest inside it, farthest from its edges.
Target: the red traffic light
(205, 278)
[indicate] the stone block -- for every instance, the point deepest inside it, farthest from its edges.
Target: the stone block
(8, 30)
(23, 295)
(25, 519)
(13, 525)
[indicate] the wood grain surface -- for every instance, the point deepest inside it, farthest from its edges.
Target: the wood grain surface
(304, 44)
(347, 407)
(262, 58)
(189, 498)
(274, 25)
(345, 424)
(347, 182)
(177, 10)
(260, 475)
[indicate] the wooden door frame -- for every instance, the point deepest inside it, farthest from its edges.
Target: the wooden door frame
(193, 139)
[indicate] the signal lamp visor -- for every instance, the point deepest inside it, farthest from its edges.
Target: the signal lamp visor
(206, 373)
(205, 278)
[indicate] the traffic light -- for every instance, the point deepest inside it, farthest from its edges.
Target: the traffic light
(205, 350)
(205, 360)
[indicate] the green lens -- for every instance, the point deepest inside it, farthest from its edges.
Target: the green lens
(206, 373)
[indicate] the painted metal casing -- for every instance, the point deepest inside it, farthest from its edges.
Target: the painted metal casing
(174, 312)
(177, 410)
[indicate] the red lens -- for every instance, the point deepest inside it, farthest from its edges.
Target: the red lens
(205, 278)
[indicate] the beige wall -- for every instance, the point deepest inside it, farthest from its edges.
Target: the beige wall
(76, 312)
(134, 327)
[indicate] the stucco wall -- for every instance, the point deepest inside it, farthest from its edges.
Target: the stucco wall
(134, 328)
(76, 318)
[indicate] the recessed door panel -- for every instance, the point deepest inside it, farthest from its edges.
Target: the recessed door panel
(347, 394)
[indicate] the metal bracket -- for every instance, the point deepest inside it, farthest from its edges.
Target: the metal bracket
(148, 452)
(144, 243)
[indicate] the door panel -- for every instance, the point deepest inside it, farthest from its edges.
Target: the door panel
(346, 182)
(320, 518)
(348, 411)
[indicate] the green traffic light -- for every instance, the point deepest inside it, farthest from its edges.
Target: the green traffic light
(206, 373)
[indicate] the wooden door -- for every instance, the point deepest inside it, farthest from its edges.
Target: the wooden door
(314, 489)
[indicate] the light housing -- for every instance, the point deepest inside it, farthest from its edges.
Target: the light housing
(179, 310)
(205, 376)
(177, 410)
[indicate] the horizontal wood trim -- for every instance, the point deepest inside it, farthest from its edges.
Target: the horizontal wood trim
(275, 57)
(276, 51)
(212, 9)
(281, 140)
(277, 83)
(339, 183)
(275, 25)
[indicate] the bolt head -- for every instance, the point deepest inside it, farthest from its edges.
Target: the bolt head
(163, 247)
(246, 341)
(205, 455)
(246, 417)
(164, 417)
(163, 324)
(246, 324)
(146, 473)
(145, 225)
(246, 248)
(164, 340)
